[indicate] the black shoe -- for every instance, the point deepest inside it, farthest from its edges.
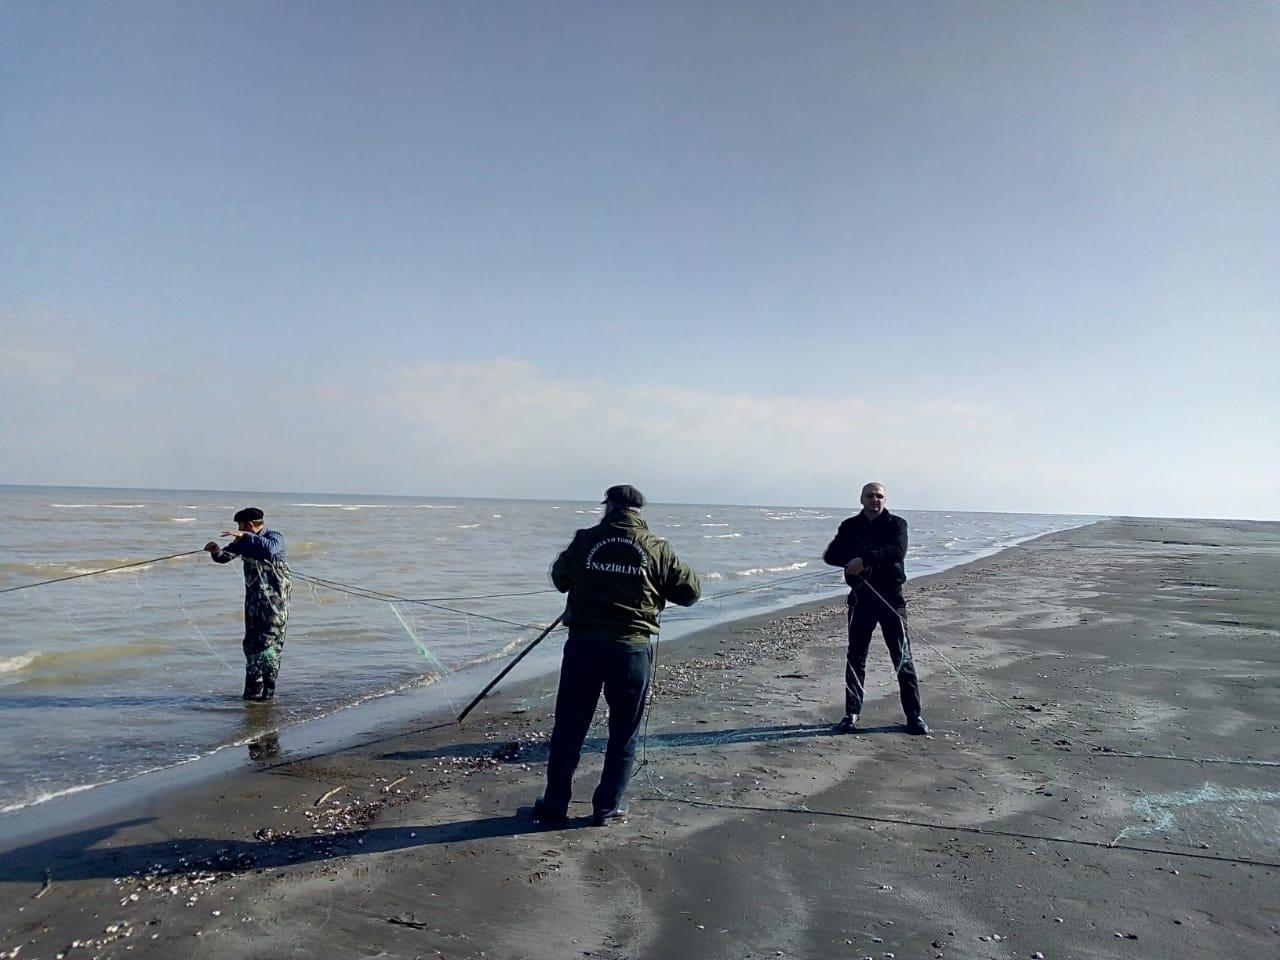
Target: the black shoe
(545, 818)
(601, 817)
(917, 727)
(268, 689)
(849, 724)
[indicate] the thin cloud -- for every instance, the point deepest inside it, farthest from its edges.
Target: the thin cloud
(500, 418)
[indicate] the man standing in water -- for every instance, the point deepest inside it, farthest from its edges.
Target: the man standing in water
(619, 577)
(871, 546)
(266, 597)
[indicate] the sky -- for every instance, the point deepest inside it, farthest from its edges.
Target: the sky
(999, 256)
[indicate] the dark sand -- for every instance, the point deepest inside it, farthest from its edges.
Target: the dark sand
(1077, 686)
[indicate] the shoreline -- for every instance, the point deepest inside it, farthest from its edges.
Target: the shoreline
(1080, 657)
(344, 727)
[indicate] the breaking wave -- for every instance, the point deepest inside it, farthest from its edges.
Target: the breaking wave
(99, 506)
(756, 571)
(20, 662)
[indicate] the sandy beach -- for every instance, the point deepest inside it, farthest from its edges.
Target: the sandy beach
(1103, 780)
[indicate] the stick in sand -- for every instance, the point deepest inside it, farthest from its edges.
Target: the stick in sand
(508, 668)
(387, 788)
(329, 794)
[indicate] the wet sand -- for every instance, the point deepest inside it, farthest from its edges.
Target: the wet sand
(1103, 780)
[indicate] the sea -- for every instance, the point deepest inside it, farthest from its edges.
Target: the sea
(107, 674)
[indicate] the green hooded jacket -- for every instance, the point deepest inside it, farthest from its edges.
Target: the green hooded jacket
(619, 577)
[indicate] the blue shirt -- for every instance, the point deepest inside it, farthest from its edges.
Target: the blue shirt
(267, 545)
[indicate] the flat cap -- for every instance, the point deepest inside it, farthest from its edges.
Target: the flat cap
(624, 495)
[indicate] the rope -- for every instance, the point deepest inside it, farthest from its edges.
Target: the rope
(488, 596)
(377, 595)
(393, 598)
(768, 583)
(94, 573)
(958, 828)
(644, 765)
(371, 594)
(1049, 725)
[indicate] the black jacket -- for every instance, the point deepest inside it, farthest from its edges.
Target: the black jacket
(619, 577)
(882, 545)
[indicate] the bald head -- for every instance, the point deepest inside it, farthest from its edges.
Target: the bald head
(873, 499)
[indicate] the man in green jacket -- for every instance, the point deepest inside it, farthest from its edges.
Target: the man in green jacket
(619, 577)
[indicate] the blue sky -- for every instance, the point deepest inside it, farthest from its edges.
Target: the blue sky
(1006, 256)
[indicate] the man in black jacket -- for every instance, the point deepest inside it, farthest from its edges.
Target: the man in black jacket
(619, 577)
(871, 547)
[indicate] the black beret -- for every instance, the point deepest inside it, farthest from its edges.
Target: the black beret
(624, 495)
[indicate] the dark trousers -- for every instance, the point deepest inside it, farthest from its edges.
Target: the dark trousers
(866, 611)
(622, 671)
(262, 652)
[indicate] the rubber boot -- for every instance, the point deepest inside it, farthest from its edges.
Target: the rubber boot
(252, 688)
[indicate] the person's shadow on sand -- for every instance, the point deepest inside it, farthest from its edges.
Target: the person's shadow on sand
(653, 742)
(78, 856)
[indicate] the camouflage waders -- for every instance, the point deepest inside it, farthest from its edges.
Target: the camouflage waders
(266, 613)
